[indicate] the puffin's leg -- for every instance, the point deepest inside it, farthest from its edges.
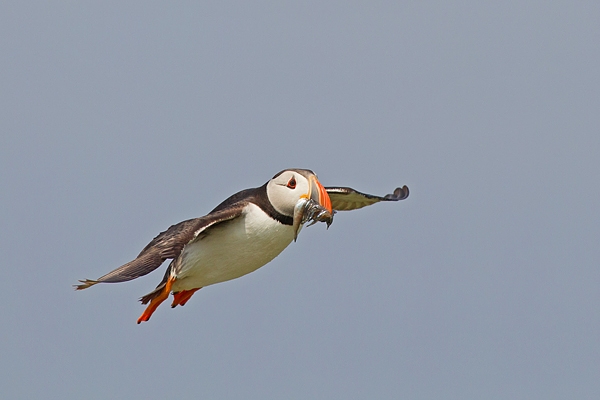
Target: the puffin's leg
(155, 302)
(180, 298)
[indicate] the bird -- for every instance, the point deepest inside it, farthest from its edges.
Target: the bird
(244, 232)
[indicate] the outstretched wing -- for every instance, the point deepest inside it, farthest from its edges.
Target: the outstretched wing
(345, 198)
(167, 244)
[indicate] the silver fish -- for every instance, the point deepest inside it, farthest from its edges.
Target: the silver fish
(309, 210)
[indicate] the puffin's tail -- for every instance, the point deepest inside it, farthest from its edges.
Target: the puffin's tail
(147, 298)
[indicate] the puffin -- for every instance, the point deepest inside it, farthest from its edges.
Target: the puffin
(246, 231)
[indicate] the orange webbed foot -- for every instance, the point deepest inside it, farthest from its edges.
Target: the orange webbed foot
(155, 302)
(180, 298)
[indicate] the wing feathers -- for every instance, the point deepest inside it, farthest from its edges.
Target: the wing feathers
(345, 198)
(167, 244)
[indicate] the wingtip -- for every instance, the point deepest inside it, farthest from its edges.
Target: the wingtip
(399, 194)
(85, 284)
(403, 192)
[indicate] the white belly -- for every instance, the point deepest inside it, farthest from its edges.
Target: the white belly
(231, 249)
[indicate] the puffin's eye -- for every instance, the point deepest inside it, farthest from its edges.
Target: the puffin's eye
(292, 183)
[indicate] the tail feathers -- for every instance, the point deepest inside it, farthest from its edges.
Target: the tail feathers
(157, 291)
(153, 294)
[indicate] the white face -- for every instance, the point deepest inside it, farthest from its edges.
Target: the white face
(286, 189)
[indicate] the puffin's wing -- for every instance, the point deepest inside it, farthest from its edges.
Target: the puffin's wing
(345, 198)
(167, 244)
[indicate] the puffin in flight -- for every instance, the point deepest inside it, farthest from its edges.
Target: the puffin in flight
(240, 235)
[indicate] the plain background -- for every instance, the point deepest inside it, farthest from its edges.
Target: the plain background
(121, 118)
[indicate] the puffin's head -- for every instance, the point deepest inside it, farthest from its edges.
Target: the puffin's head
(289, 186)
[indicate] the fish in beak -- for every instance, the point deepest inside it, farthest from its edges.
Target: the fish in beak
(314, 206)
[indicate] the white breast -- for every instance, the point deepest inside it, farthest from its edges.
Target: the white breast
(232, 249)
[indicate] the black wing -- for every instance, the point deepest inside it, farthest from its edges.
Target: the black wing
(167, 244)
(345, 198)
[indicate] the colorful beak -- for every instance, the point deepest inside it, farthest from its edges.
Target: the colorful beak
(316, 193)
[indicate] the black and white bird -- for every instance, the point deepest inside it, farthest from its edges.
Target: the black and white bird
(240, 235)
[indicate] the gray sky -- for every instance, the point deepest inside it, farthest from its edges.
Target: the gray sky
(119, 120)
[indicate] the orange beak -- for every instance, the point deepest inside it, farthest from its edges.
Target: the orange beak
(318, 193)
